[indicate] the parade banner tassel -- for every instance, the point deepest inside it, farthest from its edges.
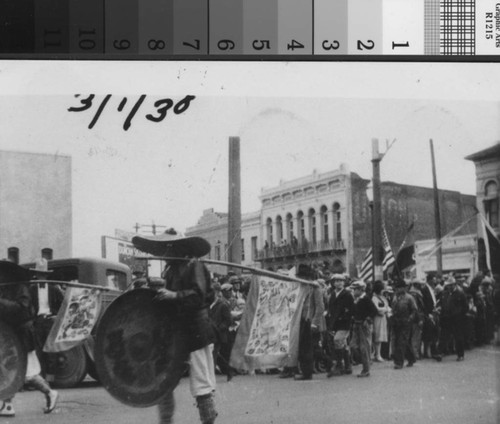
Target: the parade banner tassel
(75, 320)
(268, 335)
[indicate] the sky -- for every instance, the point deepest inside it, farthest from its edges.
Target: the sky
(291, 118)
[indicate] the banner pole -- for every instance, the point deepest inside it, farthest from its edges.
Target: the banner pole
(64, 283)
(233, 265)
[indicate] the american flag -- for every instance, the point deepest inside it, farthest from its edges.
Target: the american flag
(366, 272)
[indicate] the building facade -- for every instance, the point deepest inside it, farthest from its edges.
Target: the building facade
(35, 206)
(325, 218)
(487, 164)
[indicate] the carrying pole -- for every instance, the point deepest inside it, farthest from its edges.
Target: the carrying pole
(259, 271)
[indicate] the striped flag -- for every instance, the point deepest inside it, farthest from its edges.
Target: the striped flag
(366, 272)
(389, 258)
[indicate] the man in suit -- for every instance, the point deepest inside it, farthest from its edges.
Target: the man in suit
(339, 320)
(310, 322)
(220, 314)
(454, 306)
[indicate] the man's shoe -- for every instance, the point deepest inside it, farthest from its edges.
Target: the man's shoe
(410, 363)
(460, 358)
(398, 367)
(302, 377)
(286, 375)
(437, 358)
(364, 374)
(7, 410)
(52, 397)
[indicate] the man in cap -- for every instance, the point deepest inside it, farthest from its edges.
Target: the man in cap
(220, 314)
(363, 313)
(188, 289)
(404, 312)
(454, 308)
(339, 318)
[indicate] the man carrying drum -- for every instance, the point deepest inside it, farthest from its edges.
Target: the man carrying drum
(188, 291)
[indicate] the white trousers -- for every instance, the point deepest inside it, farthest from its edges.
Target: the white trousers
(202, 371)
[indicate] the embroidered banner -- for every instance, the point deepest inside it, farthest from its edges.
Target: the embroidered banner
(268, 336)
(76, 319)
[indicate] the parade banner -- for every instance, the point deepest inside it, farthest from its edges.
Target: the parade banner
(268, 336)
(76, 319)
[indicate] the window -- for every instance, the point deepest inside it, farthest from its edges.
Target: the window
(253, 242)
(116, 280)
(324, 221)
(289, 227)
(312, 225)
(242, 249)
(47, 253)
(491, 203)
(13, 254)
(269, 228)
(279, 229)
(338, 222)
(302, 227)
(217, 252)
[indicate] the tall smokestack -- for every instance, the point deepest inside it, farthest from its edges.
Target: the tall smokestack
(234, 208)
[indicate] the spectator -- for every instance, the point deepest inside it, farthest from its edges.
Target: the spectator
(363, 313)
(220, 315)
(310, 322)
(380, 328)
(339, 319)
(404, 310)
(452, 318)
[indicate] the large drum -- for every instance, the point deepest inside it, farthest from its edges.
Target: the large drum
(13, 360)
(138, 356)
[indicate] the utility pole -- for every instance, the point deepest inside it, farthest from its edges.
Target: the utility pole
(437, 214)
(378, 272)
(234, 207)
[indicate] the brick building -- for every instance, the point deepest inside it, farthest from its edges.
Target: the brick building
(487, 164)
(35, 206)
(326, 217)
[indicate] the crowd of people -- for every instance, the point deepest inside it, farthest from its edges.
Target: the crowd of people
(346, 322)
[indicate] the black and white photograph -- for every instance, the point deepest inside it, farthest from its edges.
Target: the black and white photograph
(274, 242)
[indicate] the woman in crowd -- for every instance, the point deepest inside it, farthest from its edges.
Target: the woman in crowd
(380, 331)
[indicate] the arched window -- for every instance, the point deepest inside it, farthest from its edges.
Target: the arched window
(491, 203)
(269, 229)
(337, 218)
(279, 229)
(324, 223)
(13, 254)
(47, 253)
(312, 225)
(289, 227)
(302, 227)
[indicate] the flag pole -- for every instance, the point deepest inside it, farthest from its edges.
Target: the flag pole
(233, 265)
(437, 214)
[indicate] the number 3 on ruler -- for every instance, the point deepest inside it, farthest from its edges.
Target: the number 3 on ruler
(327, 45)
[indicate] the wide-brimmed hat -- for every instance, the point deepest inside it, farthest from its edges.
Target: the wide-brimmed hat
(226, 286)
(450, 281)
(360, 284)
(172, 241)
(336, 277)
(400, 283)
(41, 267)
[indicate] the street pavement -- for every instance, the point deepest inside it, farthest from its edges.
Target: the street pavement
(428, 393)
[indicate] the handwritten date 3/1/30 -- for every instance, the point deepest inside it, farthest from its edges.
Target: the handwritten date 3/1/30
(158, 111)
